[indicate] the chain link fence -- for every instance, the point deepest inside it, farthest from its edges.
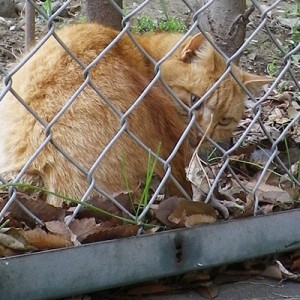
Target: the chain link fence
(258, 171)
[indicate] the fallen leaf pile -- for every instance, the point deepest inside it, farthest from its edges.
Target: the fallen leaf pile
(277, 111)
(21, 234)
(262, 172)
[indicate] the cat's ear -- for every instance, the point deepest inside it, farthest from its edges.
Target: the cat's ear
(189, 51)
(254, 83)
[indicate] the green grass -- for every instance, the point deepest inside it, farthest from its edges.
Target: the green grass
(167, 23)
(149, 175)
(4, 224)
(294, 12)
(148, 24)
(296, 34)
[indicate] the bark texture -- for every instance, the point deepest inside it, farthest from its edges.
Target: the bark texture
(226, 20)
(29, 25)
(102, 11)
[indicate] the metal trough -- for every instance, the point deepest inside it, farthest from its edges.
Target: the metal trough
(103, 265)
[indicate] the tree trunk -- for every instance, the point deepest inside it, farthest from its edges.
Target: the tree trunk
(102, 11)
(226, 20)
(29, 25)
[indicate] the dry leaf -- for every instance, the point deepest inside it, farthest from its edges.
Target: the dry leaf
(58, 228)
(108, 232)
(152, 230)
(150, 289)
(11, 242)
(208, 292)
(165, 208)
(179, 212)
(43, 240)
(197, 174)
(249, 206)
(5, 252)
(273, 272)
(296, 264)
(107, 206)
(39, 208)
(83, 228)
(292, 112)
(295, 260)
(270, 194)
(192, 277)
(285, 272)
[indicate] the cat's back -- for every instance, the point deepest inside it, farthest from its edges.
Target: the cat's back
(52, 59)
(84, 39)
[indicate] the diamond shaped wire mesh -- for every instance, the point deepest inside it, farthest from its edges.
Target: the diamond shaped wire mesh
(257, 126)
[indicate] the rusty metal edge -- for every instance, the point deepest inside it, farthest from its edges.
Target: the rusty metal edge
(87, 268)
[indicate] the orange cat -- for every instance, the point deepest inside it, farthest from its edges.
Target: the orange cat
(50, 78)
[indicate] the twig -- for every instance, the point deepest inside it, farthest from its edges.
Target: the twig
(244, 18)
(196, 156)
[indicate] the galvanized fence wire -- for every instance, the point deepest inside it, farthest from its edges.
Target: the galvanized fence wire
(225, 153)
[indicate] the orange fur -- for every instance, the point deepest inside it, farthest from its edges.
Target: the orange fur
(51, 77)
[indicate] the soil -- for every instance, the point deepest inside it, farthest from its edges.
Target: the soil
(260, 53)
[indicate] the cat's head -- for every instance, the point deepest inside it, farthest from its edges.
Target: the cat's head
(192, 70)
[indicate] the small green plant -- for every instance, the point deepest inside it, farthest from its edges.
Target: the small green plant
(47, 6)
(296, 34)
(82, 19)
(272, 68)
(294, 12)
(148, 24)
(145, 24)
(149, 175)
(172, 25)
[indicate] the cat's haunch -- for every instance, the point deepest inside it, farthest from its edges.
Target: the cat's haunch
(51, 77)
